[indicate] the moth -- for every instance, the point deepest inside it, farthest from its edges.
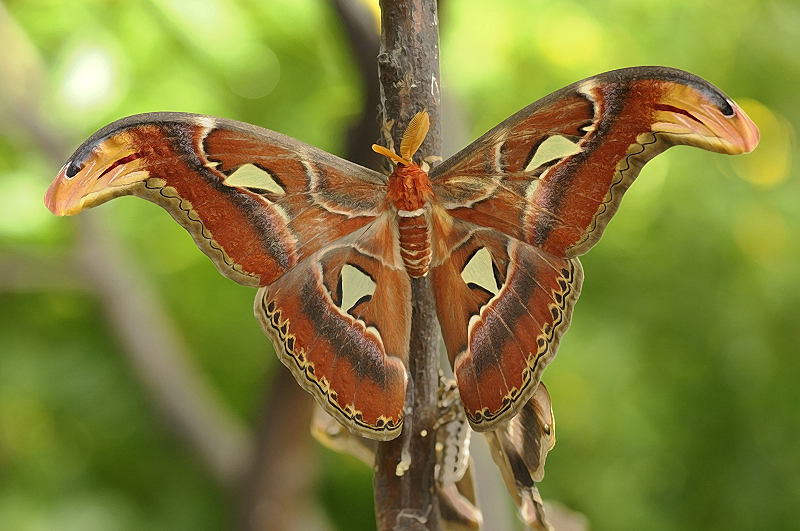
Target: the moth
(333, 246)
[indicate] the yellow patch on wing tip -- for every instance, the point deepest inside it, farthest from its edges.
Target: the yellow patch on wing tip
(251, 176)
(555, 147)
(479, 271)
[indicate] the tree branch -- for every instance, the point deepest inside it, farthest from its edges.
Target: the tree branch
(408, 66)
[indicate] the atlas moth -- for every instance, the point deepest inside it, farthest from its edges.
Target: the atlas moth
(332, 246)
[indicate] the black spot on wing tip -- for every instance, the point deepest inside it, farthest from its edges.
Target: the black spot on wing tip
(73, 169)
(726, 108)
(717, 97)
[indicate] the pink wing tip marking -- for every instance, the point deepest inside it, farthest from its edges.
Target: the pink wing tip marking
(748, 130)
(53, 199)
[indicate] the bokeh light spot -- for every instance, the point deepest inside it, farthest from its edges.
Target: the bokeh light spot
(253, 71)
(761, 232)
(769, 164)
(90, 79)
(568, 36)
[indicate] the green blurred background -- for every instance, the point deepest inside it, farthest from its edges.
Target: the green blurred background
(676, 389)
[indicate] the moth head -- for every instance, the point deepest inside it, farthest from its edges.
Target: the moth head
(102, 168)
(698, 114)
(409, 187)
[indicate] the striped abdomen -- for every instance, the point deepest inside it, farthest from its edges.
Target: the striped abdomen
(415, 241)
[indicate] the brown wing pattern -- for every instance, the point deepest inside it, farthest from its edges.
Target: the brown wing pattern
(349, 350)
(319, 235)
(533, 193)
(255, 201)
(519, 449)
(503, 306)
(272, 211)
(553, 174)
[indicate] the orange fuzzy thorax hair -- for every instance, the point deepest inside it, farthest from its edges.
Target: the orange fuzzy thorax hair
(409, 187)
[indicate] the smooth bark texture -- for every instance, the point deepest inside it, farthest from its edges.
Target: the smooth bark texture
(408, 66)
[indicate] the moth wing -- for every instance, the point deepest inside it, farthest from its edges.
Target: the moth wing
(553, 174)
(255, 201)
(340, 321)
(503, 306)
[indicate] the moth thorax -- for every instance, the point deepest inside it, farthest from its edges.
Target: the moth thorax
(409, 192)
(409, 187)
(415, 241)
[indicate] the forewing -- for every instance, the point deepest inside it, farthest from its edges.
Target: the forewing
(553, 174)
(255, 201)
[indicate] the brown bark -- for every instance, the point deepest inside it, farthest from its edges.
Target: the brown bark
(408, 66)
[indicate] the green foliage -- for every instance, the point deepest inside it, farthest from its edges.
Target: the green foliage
(346, 491)
(80, 447)
(675, 390)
